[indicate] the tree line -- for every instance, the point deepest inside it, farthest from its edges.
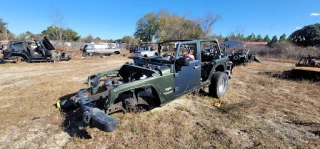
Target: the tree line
(163, 25)
(253, 38)
(53, 32)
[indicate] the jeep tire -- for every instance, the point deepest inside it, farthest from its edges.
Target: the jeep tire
(219, 84)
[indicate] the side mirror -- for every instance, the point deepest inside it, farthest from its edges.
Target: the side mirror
(183, 61)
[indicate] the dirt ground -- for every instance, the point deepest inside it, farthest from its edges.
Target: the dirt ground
(258, 111)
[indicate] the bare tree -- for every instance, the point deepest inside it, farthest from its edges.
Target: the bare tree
(89, 38)
(240, 33)
(207, 23)
(58, 24)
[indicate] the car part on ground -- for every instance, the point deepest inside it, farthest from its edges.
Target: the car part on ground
(33, 51)
(91, 49)
(150, 82)
(242, 57)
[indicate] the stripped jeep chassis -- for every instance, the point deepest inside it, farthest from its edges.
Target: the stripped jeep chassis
(150, 82)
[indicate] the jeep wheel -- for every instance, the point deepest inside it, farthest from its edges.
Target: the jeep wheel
(17, 59)
(2, 61)
(135, 105)
(235, 57)
(219, 85)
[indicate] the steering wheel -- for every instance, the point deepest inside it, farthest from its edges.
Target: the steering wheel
(168, 56)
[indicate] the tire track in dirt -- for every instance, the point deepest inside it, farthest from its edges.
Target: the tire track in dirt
(27, 74)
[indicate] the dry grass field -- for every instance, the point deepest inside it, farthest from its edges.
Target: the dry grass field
(258, 111)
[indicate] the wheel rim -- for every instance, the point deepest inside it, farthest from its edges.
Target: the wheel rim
(221, 85)
(235, 57)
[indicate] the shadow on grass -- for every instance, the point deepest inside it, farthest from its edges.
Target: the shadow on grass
(237, 107)
(295, 75)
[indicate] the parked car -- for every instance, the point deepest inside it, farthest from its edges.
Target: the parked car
(145, 51)
(90, 49)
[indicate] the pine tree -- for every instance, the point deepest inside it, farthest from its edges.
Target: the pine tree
(266, 39)
(282, 38)
(251, 37)
(226, 39)
(259, 38)
(273, 40)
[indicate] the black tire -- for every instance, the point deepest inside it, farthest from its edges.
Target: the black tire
(2, 61)
(235, 57)
(116, 52)
(19, 59)
(219, 85)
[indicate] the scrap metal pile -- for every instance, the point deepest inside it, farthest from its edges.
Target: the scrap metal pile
(307, 68)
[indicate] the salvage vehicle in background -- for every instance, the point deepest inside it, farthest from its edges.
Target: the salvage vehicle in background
(242, 57)
(150, 82)
(308, 67)
(33, 51)
(91, 49)
(146, 49)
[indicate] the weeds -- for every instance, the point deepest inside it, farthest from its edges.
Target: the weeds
(258, 111)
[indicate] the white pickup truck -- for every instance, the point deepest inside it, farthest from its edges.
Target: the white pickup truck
(99, 49)
(144, 51)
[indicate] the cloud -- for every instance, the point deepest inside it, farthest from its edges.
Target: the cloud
(314, 14)
(298, 18)
(298, 27)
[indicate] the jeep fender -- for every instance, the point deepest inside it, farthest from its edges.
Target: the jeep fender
(113, 95)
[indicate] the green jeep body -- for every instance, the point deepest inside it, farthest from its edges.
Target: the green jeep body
(154, 81)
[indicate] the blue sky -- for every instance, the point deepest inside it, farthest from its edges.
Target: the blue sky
(110, 19)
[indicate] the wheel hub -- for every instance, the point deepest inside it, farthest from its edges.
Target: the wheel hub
(221, 85)
(130, 104)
